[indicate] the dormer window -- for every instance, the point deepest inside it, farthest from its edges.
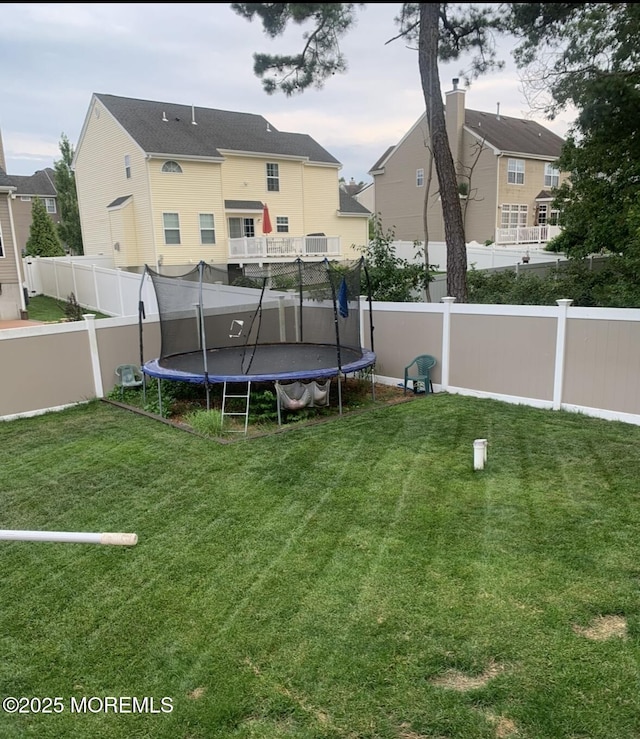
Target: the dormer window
(172, 166)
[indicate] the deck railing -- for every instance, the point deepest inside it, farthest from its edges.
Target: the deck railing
(526, 234)
(286, 247)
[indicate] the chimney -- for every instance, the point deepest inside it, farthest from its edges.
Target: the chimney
(498, 112)
(455, 112)
(3, 163)
(193, 116)
(164, 117)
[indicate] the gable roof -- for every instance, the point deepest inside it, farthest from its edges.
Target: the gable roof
(348, 204)
(39, 183)
(515, 135)
(503, 133)
(382, 159)
(167, 128)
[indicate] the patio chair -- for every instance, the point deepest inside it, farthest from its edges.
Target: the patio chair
(129, 376)
(419, 370)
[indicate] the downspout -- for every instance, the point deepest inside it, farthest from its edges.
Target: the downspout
(23, 305)
(156, 262)
(495, 225)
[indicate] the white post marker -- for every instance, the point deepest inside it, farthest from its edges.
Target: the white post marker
(479, 454)
(70, 537)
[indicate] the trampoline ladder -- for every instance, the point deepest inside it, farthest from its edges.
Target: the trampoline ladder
(245, 413)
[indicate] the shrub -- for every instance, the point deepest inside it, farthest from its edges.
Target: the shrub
(72, 309)
(207, 423)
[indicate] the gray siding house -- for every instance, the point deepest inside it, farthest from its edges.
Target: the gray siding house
(506, 171)
(16, 195)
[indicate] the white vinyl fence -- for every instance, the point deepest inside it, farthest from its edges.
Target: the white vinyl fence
(97, 286)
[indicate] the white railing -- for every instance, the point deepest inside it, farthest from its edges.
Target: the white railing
(526, 234)
(287, 247)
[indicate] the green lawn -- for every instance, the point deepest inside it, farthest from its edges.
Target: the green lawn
(45, 308)
(355, 579)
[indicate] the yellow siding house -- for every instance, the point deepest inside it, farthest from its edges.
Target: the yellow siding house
(171, 185)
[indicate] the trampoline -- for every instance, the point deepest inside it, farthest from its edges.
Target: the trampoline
(271, 362)
(282, 322)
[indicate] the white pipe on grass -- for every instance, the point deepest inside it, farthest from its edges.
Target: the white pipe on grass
(479, 454)
(73, 537)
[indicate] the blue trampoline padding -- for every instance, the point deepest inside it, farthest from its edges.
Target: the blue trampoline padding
(270, 362)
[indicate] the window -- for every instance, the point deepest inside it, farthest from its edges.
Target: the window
(171, 228)
(547, 215)
(282, 224)
(25, 198)
(551, 176)
(514, 216)
(172, 166)
(419, 177)
(273, 177)
(207, 229)
(50, 204)
(515, 171)
(249, 227)
(127, 166)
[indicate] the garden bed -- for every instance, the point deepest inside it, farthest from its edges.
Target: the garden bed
(185, 405)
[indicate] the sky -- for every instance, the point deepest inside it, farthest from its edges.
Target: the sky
(54, 56)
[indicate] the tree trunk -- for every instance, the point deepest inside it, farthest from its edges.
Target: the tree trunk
(445, 169)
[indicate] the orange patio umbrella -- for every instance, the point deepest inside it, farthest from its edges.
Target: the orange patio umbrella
(266, 220)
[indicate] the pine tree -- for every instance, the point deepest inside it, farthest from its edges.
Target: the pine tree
(43, 238)
(441, 31)
(65, 182)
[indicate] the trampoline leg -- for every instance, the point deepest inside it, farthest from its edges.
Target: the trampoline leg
(278, 404)
(373, 385)
(208, 396)
(159, 397)
(340, 394)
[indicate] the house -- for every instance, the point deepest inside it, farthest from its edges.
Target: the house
(16, 194)
(167, 184)
(39, 185)
(506, 171)
(366, 197)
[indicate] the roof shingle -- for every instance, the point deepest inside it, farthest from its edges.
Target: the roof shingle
(39, 183)
(349, 204)
(516, 135)
(167, 128)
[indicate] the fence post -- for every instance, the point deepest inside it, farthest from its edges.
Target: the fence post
(55, 274)
(73, 278)
(446, 342)
(561, 335)
(95, 285)
(120, 296)
(90, 322)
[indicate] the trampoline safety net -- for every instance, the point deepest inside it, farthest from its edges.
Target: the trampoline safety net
(266, 321)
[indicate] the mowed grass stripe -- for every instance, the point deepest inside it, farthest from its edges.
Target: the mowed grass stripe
(327, 582)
